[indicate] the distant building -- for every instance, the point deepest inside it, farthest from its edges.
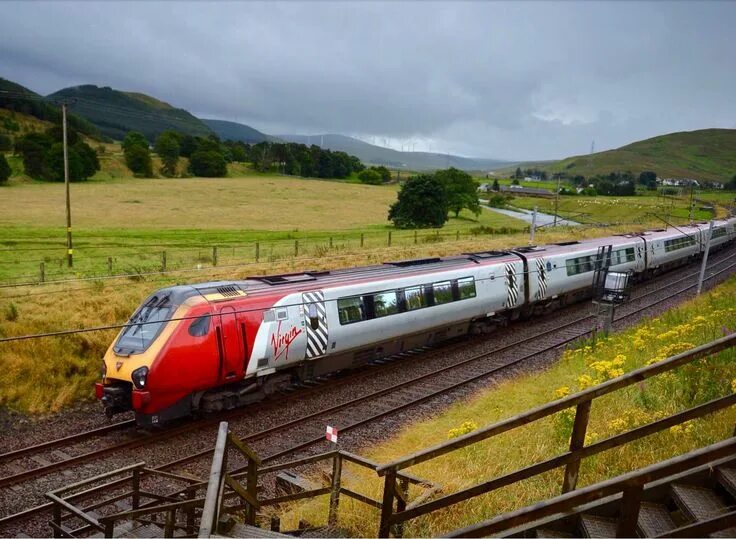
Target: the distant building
(678, 182)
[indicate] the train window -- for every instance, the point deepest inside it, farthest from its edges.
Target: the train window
(415, 298)
(442, 292)
(385, 303)
(145, 325)
(200, 326)
(622, 256)
(678, 243)
(351, 310)
(581, 264)
(718, 232)
(466, 287)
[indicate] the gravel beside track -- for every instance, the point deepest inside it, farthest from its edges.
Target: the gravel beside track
(361, 405)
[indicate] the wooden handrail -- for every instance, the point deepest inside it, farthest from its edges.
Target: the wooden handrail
(596, 491)
(551, 408)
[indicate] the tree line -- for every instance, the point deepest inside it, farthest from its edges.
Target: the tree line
(208, 156)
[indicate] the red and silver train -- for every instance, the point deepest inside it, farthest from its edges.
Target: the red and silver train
(218, 345)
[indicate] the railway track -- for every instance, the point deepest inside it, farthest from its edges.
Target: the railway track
(308, 429)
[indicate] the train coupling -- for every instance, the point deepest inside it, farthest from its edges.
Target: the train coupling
(115, 398)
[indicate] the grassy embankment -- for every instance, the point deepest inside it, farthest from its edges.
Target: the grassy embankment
(705, 154)
(696, 322)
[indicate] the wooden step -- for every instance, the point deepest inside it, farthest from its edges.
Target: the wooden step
(654, 519)
(547, 532)
(592, 526)
(727, 478)
(244, 530)
(698, 503)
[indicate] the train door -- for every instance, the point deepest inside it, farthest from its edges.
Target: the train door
(231, 347)
(315, 318)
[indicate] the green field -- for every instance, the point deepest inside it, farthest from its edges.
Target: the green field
(134, 221)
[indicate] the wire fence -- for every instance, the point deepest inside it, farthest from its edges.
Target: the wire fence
(25, 267)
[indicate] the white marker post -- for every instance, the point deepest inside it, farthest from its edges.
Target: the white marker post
(705, 258)
(331, 434)
(533, 227)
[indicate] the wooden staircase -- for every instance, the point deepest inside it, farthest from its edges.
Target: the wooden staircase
(669, 508)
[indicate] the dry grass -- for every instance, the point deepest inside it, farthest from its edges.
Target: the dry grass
(48, 374)
(694, 323)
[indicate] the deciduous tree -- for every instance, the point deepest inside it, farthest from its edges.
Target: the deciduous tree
(167, 148)
(4, 169)
(422, 203)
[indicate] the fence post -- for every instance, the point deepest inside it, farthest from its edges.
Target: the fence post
(577, 441)
(415, 237)
(251, 486)
(163, 260)
(214, 256)
(629, 511)
(361, 238)
(457, 235)
(401, 504)
(191, 494)
(258, 251)
(57, 519)
(136, 496)
(275, 524)
(296, 248)
(109, 264)
(335, 493)
(387, 505)
(389, 238)
(330, 242)
(170, 521)
(43, 272)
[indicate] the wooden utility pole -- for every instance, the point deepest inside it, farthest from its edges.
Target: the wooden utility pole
(557, 199)
(69, 249)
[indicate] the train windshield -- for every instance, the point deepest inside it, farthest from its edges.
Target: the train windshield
(145, 325)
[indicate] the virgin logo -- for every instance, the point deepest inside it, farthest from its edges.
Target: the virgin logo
(281, 342)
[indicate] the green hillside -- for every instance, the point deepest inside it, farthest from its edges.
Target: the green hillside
(19, 99)
(115, 112)
(706, 154)
(237, 132)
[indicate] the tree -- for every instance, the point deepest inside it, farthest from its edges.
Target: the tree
(384, 173)
(34, 148)
(370, 176)
(138, 160)
(461, 190)
(137, 155)
(167, 148)
(208, 164)
(55, 161)
(649, 179)
(518, 174)
(6, 143)
(514, 182)
(422, 203)
(496, 187)
(134, 138)
(187, 146)
(88, 156)
(4, 169)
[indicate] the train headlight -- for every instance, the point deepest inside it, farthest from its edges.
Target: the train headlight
(103, 370)
(139, 377)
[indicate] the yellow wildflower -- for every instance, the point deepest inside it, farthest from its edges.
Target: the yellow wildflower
(561, 392)
(585, 381)
(733, 385)
(466, 427)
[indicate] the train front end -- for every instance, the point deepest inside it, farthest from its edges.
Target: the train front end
(128, 364)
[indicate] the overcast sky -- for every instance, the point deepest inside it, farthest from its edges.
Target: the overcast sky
(522, 80)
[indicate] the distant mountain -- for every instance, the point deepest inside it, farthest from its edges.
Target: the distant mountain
(707, 154)
(235, 131)
(377, 155)
(115, 112)
(20, 99)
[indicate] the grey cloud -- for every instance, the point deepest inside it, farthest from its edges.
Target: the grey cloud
(534, 80)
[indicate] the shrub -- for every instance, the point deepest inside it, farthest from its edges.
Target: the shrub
(4, 169)
(370, 176)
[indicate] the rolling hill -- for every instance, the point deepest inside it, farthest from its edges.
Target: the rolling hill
(21, 100)
(377, 155)
(705, 154)
(115, 112)
(236, 131)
